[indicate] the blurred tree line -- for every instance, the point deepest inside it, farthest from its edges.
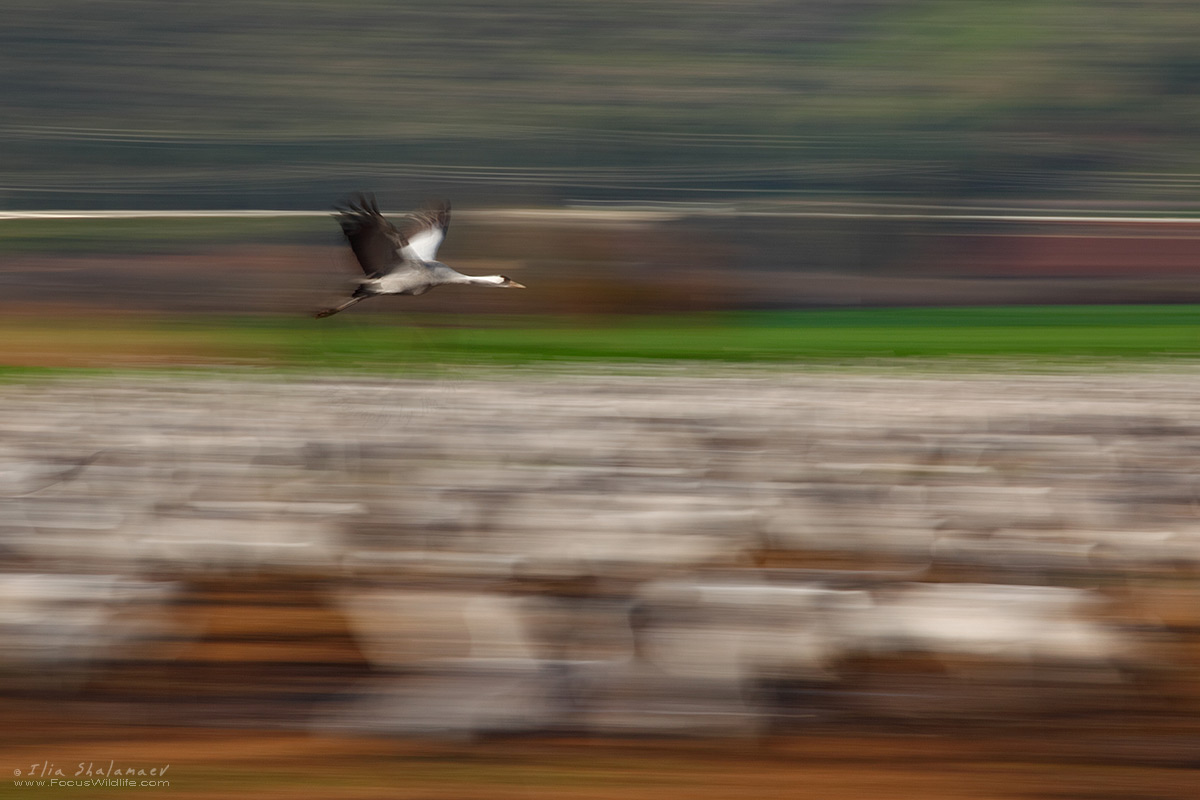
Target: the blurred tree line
(289, 103)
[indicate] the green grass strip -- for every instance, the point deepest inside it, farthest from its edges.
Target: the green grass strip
(377, 342)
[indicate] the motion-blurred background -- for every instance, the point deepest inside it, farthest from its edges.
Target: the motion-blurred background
(851, 415)
(780, 154)
(283, 104)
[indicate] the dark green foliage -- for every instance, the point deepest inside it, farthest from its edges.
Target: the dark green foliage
(264, 102)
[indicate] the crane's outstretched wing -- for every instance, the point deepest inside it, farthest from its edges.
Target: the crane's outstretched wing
(428, 231)
(376, 243)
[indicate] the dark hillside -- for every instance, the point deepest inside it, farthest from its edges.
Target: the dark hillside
(265, 103)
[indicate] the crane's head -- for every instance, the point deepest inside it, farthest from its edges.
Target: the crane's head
(509, 283)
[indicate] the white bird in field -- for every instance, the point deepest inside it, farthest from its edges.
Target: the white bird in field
(401, 263)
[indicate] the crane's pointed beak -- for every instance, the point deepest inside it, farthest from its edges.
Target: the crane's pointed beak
(509, 283)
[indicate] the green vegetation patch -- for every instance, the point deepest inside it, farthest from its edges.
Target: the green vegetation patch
(371, 343)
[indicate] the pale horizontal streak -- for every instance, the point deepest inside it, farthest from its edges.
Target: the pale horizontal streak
(634, 210)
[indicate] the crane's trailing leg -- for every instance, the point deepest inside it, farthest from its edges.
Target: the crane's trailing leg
(328, 312)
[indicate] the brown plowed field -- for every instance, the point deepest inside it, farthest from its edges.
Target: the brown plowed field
(228, 715)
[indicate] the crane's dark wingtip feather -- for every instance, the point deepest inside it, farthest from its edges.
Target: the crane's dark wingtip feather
(374, 240)
(357, 213)
(358, 203)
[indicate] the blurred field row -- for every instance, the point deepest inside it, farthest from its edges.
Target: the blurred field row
(584, 265)
(1022, 336)
(464, 587)
(720, 555)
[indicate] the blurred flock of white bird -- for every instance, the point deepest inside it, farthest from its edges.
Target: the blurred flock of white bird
(614, 554)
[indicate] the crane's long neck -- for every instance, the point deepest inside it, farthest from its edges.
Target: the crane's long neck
(482, 280)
